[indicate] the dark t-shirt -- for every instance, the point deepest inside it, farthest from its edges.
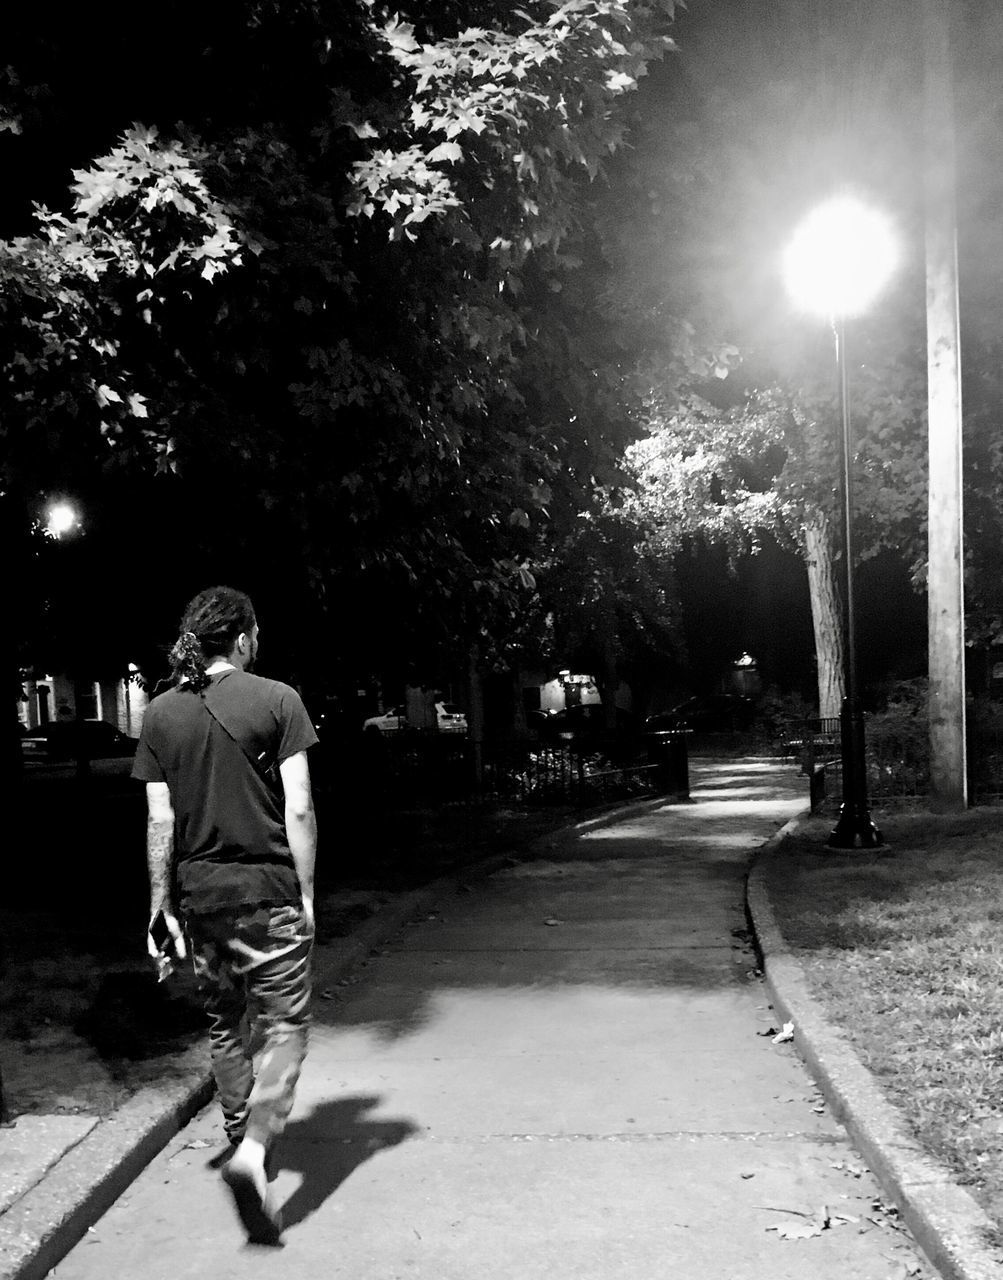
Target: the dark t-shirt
(229, 827)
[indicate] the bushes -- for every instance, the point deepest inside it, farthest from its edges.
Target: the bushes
(898, 745)
(985, 750)
(783, 715)
(898, 742)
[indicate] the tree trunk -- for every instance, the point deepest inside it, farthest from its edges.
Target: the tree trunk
(826, 612)
(608, 676)
(519, 726)
(475, 715)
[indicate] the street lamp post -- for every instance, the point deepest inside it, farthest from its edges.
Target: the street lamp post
(839, 259)
(854, 826)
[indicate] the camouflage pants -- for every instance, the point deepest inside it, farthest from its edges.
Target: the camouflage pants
(253, 966)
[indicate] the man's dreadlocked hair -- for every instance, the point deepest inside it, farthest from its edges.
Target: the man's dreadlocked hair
(209, 627)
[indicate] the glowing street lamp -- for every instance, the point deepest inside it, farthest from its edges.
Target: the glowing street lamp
(61, 518)
(840, 258)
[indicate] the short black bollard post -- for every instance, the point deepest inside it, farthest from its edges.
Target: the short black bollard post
(668, 751)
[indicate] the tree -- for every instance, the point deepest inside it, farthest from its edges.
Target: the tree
(396, 375)
(767, 465)
(741, 394)
(608, 596)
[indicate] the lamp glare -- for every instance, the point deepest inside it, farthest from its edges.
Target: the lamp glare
(840, 258)
(61, 519)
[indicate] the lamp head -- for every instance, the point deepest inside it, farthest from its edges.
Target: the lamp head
(840, 258)
(61, 518)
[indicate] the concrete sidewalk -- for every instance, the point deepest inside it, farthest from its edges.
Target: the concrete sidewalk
(564, 1071)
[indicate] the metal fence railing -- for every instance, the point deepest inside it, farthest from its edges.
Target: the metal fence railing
(398, 771)
(898, 765)
(898, 757)
(536, 773)
(985, 760)
(895, 761)
(898, 760)
(408, 769)
(814, 741)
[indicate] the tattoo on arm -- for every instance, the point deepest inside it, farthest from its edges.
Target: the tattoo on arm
(159, 857)
(159, 845)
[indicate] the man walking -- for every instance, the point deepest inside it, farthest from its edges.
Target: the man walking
(231, 846)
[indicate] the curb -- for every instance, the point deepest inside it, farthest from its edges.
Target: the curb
(48, 1220)
(41, 1228)
(946, 1221)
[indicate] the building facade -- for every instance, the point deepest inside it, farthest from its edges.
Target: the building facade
(48, 698)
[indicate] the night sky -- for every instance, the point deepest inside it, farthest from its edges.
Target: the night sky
(825, 90)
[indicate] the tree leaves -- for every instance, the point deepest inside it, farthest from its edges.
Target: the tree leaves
(445, 151)
(501, 87)
(363, 312)
(63, 317)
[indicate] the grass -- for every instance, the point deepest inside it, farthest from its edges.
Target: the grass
(904, 946)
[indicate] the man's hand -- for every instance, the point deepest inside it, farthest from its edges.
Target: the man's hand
(308, 913)
(177, 937)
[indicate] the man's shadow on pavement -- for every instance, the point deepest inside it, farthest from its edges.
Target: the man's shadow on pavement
(328, 1145)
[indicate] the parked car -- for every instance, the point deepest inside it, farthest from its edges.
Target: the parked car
(449, 719)
(59, 741)
(587, 719)
(709, 713)
(392, 721)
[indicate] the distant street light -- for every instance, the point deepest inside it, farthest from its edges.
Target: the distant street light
(61, 518)
(838, 261)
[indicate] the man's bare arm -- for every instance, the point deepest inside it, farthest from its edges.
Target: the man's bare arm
(160, 859)
(301, 823)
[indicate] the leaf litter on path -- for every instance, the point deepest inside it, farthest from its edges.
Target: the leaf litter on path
(814, 1226)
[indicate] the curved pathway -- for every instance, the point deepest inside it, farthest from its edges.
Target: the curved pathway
(562, 1071)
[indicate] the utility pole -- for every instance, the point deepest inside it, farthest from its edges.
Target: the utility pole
(945, 570)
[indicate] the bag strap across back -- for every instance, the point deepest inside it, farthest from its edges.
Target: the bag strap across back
(268, 773)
